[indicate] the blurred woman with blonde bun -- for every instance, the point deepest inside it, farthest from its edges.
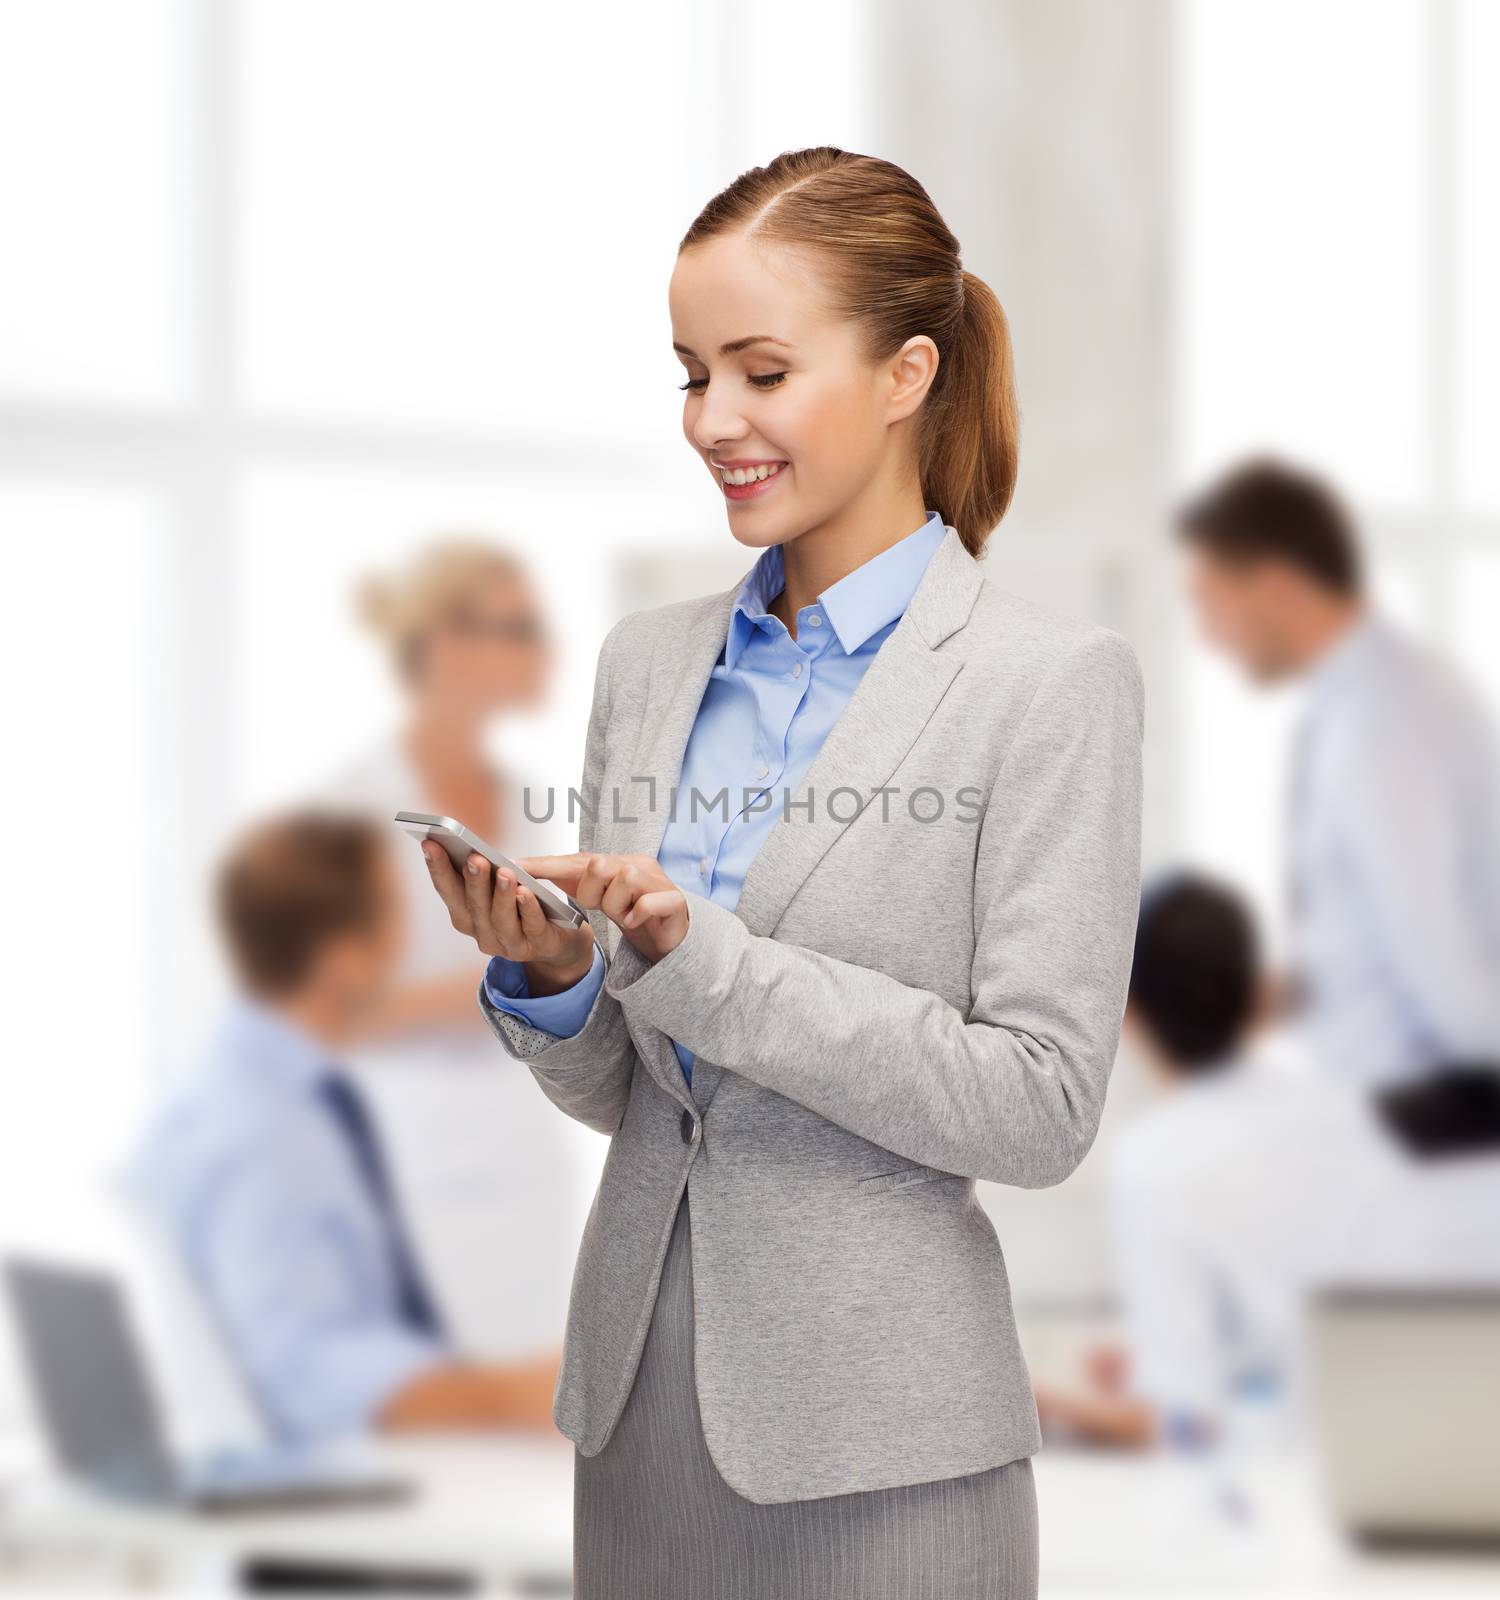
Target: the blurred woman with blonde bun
(494, 1180)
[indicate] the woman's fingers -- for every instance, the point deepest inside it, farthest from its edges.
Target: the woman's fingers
(586, 874)
(533, 920)
(446, 881)
(655, 903)
(498, 913)
(477, 901)
(620, 889)
(597, 881)
(504, 917)
(612, 883)
(520, 925)
(565, 870)
(631, 890)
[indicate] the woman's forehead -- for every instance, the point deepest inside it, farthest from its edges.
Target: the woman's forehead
(719, 296)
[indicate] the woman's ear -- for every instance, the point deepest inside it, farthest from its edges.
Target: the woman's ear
(913, 369)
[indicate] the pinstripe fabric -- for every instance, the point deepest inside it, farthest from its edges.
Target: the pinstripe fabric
(653, 1519)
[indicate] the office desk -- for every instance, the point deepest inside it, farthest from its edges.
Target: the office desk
(501, 1510)
(1113, 1525)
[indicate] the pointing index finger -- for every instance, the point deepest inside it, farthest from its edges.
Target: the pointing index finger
(565, 870)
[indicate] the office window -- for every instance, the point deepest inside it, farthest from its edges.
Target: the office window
(1476, 606)
(83, 601)
(1303, 271)
(1336, 250)
(433, 227)
(94, 180)
(1475, 333)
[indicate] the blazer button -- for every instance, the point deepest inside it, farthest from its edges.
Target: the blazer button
(689, 1127)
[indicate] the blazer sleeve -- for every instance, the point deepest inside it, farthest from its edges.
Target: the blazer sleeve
(1011, 1090)
(586, 1074)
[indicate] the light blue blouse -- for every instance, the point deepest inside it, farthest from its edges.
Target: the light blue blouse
(769, 704)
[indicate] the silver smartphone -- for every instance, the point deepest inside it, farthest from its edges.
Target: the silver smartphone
(459, 842)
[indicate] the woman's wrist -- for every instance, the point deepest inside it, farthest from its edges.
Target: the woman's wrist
(552, 977)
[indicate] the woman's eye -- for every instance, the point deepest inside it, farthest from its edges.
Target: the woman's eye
(769, 380)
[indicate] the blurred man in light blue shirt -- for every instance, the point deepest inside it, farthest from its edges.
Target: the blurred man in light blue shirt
(267, 1173)
(767, 709)
(1393, 825)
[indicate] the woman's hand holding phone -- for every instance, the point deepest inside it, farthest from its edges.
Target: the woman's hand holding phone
(631, 890)
(502, 917)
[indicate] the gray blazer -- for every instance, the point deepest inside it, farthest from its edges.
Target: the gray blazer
(896, 1007)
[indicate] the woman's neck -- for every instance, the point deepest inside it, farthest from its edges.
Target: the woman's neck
(818, 559)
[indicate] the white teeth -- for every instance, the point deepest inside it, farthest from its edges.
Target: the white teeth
(751, 474)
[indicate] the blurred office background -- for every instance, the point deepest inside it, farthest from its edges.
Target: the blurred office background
(289, 290)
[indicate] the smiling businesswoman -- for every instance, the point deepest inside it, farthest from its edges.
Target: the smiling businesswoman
(893, 963)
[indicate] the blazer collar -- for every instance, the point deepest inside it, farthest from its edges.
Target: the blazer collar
(859, 604)
(890, 705)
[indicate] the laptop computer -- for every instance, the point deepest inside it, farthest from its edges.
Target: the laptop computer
(102, 1419)
(1406, 1408)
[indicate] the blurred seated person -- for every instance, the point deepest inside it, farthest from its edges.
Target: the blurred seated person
(266, 1171)
(1253, 1177)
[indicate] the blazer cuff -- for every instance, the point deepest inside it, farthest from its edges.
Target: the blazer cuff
(520, 1039)
(523, 1042)
(673, 993)
(562, 1014)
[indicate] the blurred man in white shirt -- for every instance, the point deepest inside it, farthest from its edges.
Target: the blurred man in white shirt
(1393, 818)
(1253, 1178)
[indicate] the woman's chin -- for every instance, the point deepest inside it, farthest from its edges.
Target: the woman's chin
(755, 538)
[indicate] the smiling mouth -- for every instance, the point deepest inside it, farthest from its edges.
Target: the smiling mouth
(739, 477)
(754, 486)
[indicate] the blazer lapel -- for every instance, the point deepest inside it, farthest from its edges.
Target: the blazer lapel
(638, 814)
(892, 702)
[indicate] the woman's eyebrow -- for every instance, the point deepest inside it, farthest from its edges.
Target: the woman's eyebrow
(736, 345)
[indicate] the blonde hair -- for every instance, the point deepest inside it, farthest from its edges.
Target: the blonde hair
(894, 269)
(404, 608)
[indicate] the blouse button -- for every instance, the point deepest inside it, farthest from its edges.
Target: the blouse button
(815, 620)
(796, 669)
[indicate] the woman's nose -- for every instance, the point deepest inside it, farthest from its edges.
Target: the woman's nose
(717, 429)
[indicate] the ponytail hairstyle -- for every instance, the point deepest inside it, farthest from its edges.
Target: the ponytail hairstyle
(893, 268)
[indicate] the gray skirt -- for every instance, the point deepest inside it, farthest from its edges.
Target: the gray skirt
(653, 1518)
